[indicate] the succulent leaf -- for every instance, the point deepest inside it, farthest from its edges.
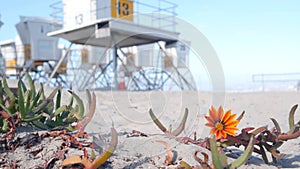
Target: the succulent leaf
(275, 153)
(215, 154)
(9, 93)
(58, 99)
(156, 121)
(42, 97)
(39, 125)
(170, 157)
(31, 84)
(31, 119)
(277, 127)
(88, 117)
(222, 157)
(89, 96)
(199, 160)
(259, 130)
(27, 100)
(181, 126)
(35, 100)
(246, 154)
(21, 100)
(241, 116)
(6, 110)
(5, 125)
(109, 151)
(1, 93)
(291, 116)
(185, 165)
(79, 103)
(285, 137)
(59, 110)
(263, 154)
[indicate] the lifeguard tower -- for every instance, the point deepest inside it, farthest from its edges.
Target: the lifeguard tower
(123, 44)
(41, 52)
(34, 52)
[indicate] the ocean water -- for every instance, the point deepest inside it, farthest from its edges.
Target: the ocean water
(252, 83)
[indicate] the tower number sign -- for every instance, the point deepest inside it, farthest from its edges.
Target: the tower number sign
(122, 9)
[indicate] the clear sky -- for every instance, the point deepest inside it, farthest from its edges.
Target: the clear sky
(257, 36)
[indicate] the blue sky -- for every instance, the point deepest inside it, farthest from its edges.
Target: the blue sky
(249, 36)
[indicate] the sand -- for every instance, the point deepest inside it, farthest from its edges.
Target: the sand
(128, 111)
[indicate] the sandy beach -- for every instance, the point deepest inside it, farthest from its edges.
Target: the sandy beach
(128, 111)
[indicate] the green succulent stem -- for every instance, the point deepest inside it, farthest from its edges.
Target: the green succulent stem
(35, 118)
(46, 113)
(31, 85)
(156, 121)
(291, 116)
(185, 165)
(109, 151)
(6, 110)
(220, 160)
(285, 137)
(246, 154)
(215, 154)
(58, 99)
(9, 93)
(181, 126)
(79, 103)
(21, 100)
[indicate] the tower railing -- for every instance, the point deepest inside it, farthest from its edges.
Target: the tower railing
(279, 81)
(157, 13)
(57, 11)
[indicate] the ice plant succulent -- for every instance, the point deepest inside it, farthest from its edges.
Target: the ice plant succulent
(219, 158)
(170, 133)
(221, 123)
(25, 105)
(76, 159)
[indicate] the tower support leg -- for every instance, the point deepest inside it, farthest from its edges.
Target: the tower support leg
(115, 64)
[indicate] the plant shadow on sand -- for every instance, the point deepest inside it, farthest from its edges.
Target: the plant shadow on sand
(286, 162)
(138, 163)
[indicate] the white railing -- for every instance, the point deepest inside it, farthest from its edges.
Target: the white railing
(155, 13)
(279, 81)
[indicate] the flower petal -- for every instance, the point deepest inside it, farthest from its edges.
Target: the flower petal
(209, 125)
(231, 131)
(213, 131)
(224, 134)
(231, 128)
(232, 117)
(232, 123)
(209, 119)
(220, 134)
(213, 113)
(226, 116)
(220, 112)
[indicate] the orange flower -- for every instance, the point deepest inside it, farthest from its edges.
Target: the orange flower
(221, 124)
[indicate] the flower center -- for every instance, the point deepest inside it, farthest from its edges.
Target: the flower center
(219, 126)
